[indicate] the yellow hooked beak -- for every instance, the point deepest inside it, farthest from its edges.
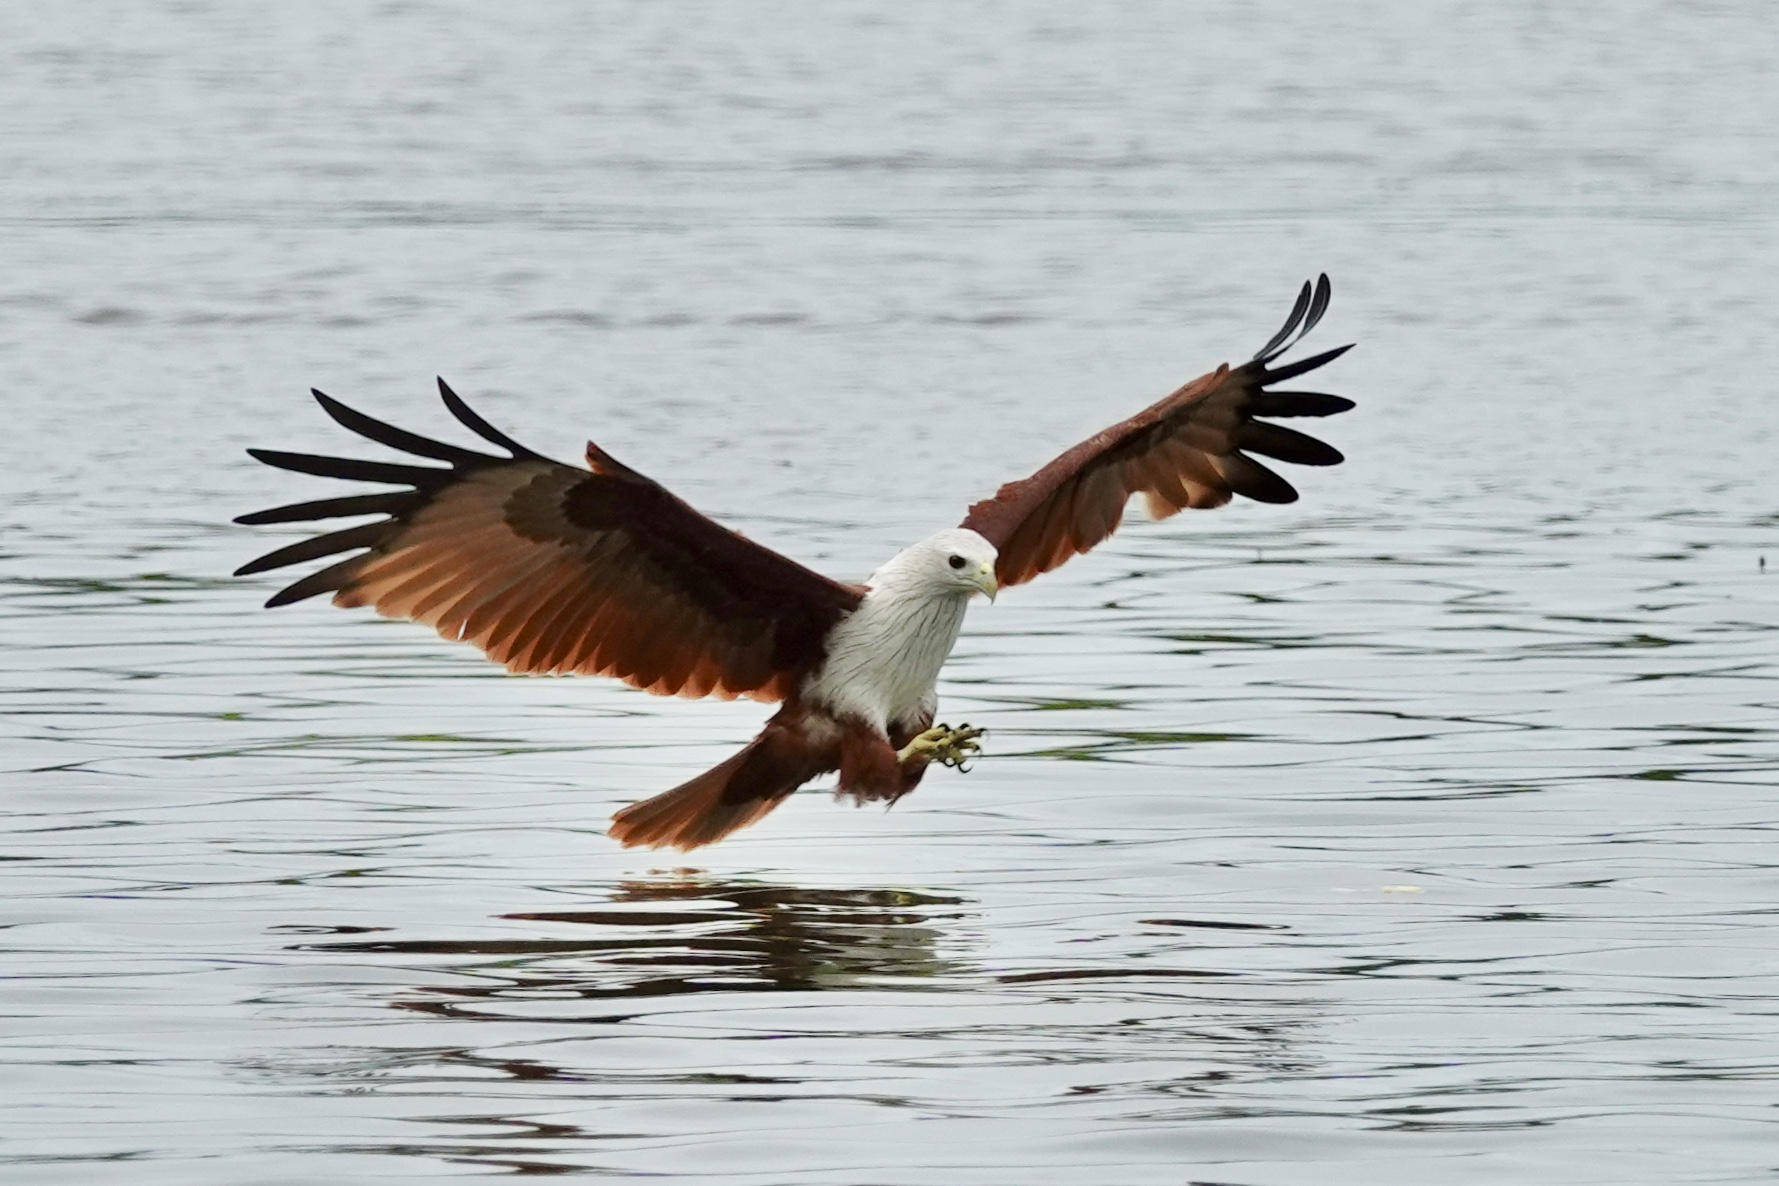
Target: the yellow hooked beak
(985, 580)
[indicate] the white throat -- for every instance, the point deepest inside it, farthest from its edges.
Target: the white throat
(884, 659)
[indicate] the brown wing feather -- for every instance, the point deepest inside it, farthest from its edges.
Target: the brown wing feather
(1183, 451)
(553, 569)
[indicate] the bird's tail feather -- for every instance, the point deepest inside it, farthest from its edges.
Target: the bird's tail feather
(724, 799)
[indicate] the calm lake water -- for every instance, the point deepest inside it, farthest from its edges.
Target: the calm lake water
(1423, 831)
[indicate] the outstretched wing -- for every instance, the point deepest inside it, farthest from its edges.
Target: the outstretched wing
(552, 569)
(1185, 451)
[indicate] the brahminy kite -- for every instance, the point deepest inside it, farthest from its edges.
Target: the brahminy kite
(554, 569)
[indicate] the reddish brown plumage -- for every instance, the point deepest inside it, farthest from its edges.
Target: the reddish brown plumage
(870, 769)
(794, 747)
(1182, 451)
(797, 744)
(552, 569)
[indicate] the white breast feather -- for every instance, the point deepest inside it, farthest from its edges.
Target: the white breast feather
(883, 661)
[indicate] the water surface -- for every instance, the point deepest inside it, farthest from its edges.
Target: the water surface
(1423, 829)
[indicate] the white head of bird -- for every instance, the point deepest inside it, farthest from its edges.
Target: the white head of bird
(953, 563)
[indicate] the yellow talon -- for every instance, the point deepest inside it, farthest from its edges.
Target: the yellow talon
(945, 745)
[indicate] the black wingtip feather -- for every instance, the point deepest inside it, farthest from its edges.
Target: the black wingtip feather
(352, 469)
(396, 438)
(1299, 403)
(331, 579)
(396, 504)
(1306, 313)
(1318, 305)
(1298, 307)
(468, 418)
(365, 535)
(1272, 489)
(1286, 444)
(1303, 366)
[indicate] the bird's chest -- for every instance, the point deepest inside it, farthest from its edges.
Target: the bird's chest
(883, 661)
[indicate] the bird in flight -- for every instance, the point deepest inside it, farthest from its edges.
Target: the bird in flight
(555, 569)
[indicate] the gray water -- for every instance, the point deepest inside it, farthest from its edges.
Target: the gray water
(1422, 831)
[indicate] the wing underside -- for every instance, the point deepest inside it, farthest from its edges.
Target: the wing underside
(1191, 449)
(555, 569)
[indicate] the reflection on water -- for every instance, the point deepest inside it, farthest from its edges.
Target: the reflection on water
(863, 1006)
(656, 942)
(1426, 824)
(695, 935)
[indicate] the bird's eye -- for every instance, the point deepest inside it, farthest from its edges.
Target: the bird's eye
(956, 562)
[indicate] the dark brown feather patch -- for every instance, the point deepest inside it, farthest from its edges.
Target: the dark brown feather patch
(550, 568)
(1186, 450)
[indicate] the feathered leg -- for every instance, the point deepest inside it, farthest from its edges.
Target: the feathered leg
(869, 769)
(874, 768)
